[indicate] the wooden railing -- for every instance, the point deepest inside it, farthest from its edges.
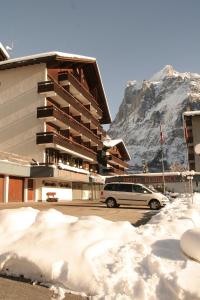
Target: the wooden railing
(117, 161)
(55, 138)
(48, 86)
(80, 88)
(52, 111)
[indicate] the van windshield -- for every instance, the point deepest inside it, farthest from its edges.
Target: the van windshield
(152, 188)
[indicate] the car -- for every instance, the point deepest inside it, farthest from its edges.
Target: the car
(119, 193)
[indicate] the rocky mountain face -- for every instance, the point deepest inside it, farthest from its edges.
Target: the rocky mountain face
(161, 99)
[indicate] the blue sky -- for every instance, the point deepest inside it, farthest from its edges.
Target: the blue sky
(131, 39)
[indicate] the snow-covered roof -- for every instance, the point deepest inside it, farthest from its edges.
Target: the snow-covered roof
(109, 143)
(156, 174)
(192, 113)
(4, 51)
(47, 54)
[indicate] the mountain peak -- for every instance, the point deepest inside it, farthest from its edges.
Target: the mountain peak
(167, 71)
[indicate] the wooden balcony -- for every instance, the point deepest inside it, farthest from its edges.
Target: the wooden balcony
(79, 91)
(64, 98)
(117, 161)
(68, 146)
(113, 171)
(64, 121)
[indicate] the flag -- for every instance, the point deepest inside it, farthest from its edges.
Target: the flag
(161, 135)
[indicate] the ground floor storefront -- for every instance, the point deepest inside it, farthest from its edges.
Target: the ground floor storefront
(24, 183)
(19, 189)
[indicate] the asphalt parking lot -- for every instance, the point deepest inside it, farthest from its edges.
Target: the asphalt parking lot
(135, 215)
(13, 289)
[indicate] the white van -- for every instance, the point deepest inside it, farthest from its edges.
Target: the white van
(117, 193)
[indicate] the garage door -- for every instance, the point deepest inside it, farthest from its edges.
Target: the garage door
(30, 190)
(1, 188)
(16, 189)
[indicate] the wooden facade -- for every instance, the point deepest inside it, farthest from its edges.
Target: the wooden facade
(30, 190)
(148, 178)
(16, 189)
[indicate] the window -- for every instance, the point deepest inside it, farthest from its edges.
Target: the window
(140, 189)
(110, 187)
(125, 188)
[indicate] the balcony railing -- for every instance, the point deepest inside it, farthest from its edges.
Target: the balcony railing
(69, 121)
(118, 171)
(116, 160)
(65, 76)
(52, 86)
(55, 138)
(113, 171)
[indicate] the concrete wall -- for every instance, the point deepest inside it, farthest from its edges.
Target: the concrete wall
(18, 114)
(8, 168)
(86, 191)
(62, 193)
(81, 191)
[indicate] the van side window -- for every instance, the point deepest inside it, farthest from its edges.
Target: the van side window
(139, 189)
(108, 187)
(125, 188)
(111, 187)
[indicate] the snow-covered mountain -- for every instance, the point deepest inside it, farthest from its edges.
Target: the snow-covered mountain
(146, 104)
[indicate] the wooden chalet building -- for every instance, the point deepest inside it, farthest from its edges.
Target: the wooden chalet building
(53, 106)
(114, 157)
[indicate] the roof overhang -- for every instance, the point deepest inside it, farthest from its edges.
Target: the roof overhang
(192, 113)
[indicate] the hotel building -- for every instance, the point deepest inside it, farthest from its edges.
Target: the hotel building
(53, 106)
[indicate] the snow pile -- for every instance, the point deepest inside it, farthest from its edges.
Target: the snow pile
(103, 259)
(190, 243)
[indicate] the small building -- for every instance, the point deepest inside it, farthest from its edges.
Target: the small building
(174, 181)
(192, 137)
(114, 157)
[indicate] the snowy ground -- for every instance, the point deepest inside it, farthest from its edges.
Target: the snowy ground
(103, 259)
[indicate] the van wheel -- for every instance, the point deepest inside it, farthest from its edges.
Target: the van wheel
(154, 204)
(110, 202)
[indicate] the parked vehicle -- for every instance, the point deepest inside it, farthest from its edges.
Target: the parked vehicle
(117, 193)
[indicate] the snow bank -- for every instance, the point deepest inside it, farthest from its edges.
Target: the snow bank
(103, 259)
